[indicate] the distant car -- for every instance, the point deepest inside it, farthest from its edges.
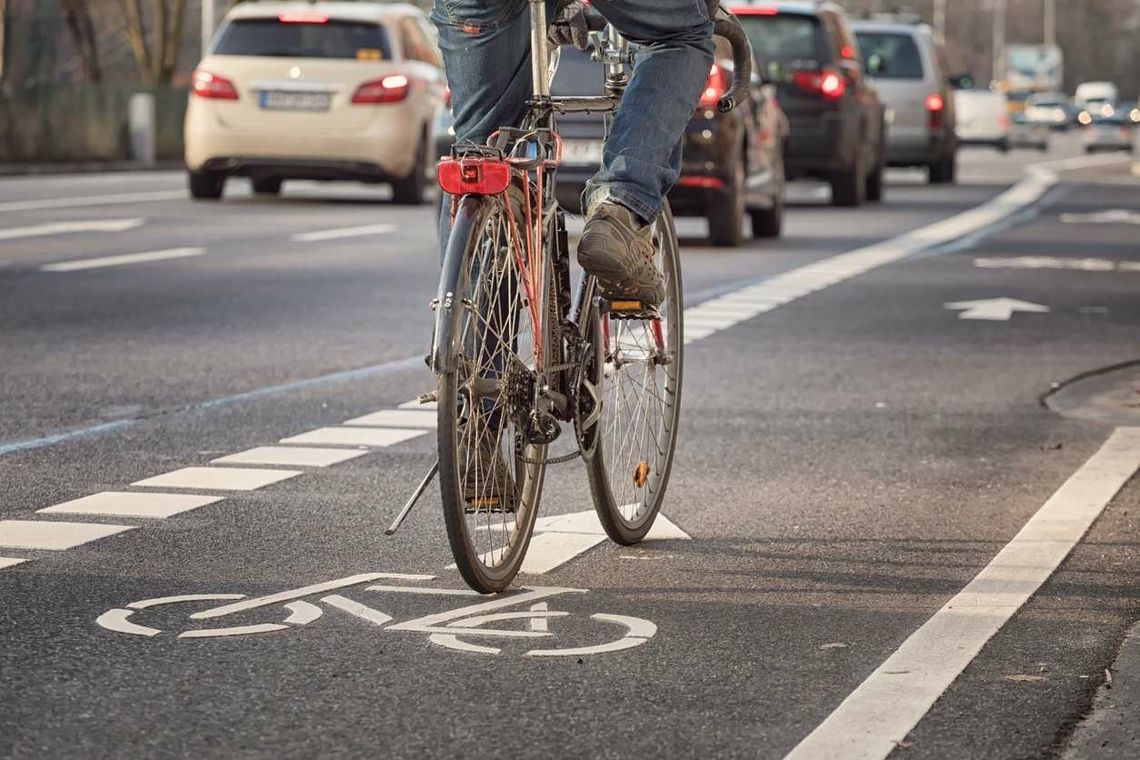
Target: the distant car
(838, 122)
(1109, 133)
(1051, 109)
(732, 165)
(983, 118)
(911, 76)
(325, 91)
(1024, 133)
(1095, 91)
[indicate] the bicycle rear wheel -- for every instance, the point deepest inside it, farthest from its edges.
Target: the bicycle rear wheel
(495, 338)
(640, 378)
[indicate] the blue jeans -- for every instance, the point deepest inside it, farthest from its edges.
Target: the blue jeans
(486, 51)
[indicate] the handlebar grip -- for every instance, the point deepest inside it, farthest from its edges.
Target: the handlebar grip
(728, 26)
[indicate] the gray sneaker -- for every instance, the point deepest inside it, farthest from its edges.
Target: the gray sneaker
(487, 482)
(618, 250)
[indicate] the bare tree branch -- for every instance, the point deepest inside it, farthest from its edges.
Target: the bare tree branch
(77, 16)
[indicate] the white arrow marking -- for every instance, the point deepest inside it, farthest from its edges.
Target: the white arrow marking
(70, 228)
(995, 309)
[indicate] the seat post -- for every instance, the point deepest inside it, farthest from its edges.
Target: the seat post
(539, 55)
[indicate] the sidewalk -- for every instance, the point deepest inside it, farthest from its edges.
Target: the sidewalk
(1112, 730)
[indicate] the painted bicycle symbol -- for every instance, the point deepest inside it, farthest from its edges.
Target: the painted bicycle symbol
(453, 628)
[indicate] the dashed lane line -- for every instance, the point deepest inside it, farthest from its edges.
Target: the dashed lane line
(54, 536)
(69, 228)
(397, 418)
(355, 436)
(132, 504)
(218, 478)
(291, 456)
(92, 200)
(896, 696)
(121, 260)
(343, 232)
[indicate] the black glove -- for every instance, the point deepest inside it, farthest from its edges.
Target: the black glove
(569, 26)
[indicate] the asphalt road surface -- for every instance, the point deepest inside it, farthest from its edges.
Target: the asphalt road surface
(897, 430)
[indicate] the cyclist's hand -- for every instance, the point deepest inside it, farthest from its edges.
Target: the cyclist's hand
(570, 27)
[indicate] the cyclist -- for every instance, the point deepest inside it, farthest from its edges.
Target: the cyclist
(486, 51)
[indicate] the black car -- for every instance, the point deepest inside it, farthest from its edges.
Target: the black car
(732, 163)
(838, 124)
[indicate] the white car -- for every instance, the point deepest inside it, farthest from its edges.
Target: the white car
(983, 118)
(316, 90)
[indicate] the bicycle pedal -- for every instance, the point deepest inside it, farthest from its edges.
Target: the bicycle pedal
(427, 398)
(624, 309)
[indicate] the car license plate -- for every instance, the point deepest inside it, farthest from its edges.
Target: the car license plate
(283, 100)
(582, 152)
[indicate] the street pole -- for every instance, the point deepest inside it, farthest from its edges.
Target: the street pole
(940, 22)
(999, 41)
(1050, 22)
(209, 22)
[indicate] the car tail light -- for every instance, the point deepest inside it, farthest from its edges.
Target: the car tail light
(935, 105)
(847, 52)
(758, 10)
(390, 89)
(1003, 121)
(447, 97)
(303, 18)
(830, 84)
(715, 88)
(207, 85)
(691, 180)
(459, 176)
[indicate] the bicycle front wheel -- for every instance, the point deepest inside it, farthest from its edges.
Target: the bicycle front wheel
(633, 441)
(496, 337)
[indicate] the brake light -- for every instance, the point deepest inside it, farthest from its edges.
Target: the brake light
(830, 84)
(708, 183)
(390, 89)
(714, 88)
(473, 176)
(1003, 121)
(760, 10)
(207, 85)
(447, 97)
(847, 52)
(935, 105)
(303, 18)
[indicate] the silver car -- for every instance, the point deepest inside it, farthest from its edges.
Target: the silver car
(910, 73)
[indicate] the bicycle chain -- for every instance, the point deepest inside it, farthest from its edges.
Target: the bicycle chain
(556, 460)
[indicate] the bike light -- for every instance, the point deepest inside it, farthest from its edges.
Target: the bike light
(211, 86)
(459, 176)
(390, 89)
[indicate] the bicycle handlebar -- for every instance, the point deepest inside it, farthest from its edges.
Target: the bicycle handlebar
(728, 26)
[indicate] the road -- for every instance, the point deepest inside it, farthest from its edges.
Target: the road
(875, 538)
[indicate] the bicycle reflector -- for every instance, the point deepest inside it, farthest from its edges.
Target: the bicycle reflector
(459, 176)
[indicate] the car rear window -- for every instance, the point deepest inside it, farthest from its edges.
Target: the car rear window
(324, 39)
(784, 38)
(890, 55)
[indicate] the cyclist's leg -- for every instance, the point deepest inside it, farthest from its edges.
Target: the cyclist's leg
(643, 154)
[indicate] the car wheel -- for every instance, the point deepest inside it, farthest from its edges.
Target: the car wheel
(875, 184)
(943, 171)
(849, 188)
(410, 190)
(769, 222)
(267, 185)
(1003, 146)
(206, 185)
(726, 214)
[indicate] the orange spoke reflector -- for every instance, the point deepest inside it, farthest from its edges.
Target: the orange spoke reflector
(641, 474)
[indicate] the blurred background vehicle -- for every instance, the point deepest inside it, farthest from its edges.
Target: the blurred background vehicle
(1094, 94)
(1051, 109)
(838, 124)
(732, 165)
(912, 79)
(983, 118)
(1026, 133)
(324, 91)
(1109, 133)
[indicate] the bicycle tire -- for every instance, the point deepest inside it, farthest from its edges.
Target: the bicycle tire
(482, 354)
(619, 450)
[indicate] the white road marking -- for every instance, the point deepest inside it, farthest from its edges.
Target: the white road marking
(69, 228)
(343, 232)
(237, 630)
(10, 562)
(92, 200)
(218, 478)
(55, 536)
(356, 608)
(638, 632)
(317, 588)
(133, 504)
(895, 697)
(995, 309)
(1108, 216)
(291, 456)
(122, 260)
(1055, 262)
(400, 418)
(560, 538)
(430, 406)
(355, 436)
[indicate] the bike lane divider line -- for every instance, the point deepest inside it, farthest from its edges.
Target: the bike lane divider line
(343, 232)
(218, 478)
(397, 418)
(53, 536)
(291, 456)
(355, 436)
(132, 504)
(121, 260)
(894, 698)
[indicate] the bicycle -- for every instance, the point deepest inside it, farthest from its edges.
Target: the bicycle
(517, 352)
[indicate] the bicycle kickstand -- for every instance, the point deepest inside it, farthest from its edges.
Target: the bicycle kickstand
(412, 501)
